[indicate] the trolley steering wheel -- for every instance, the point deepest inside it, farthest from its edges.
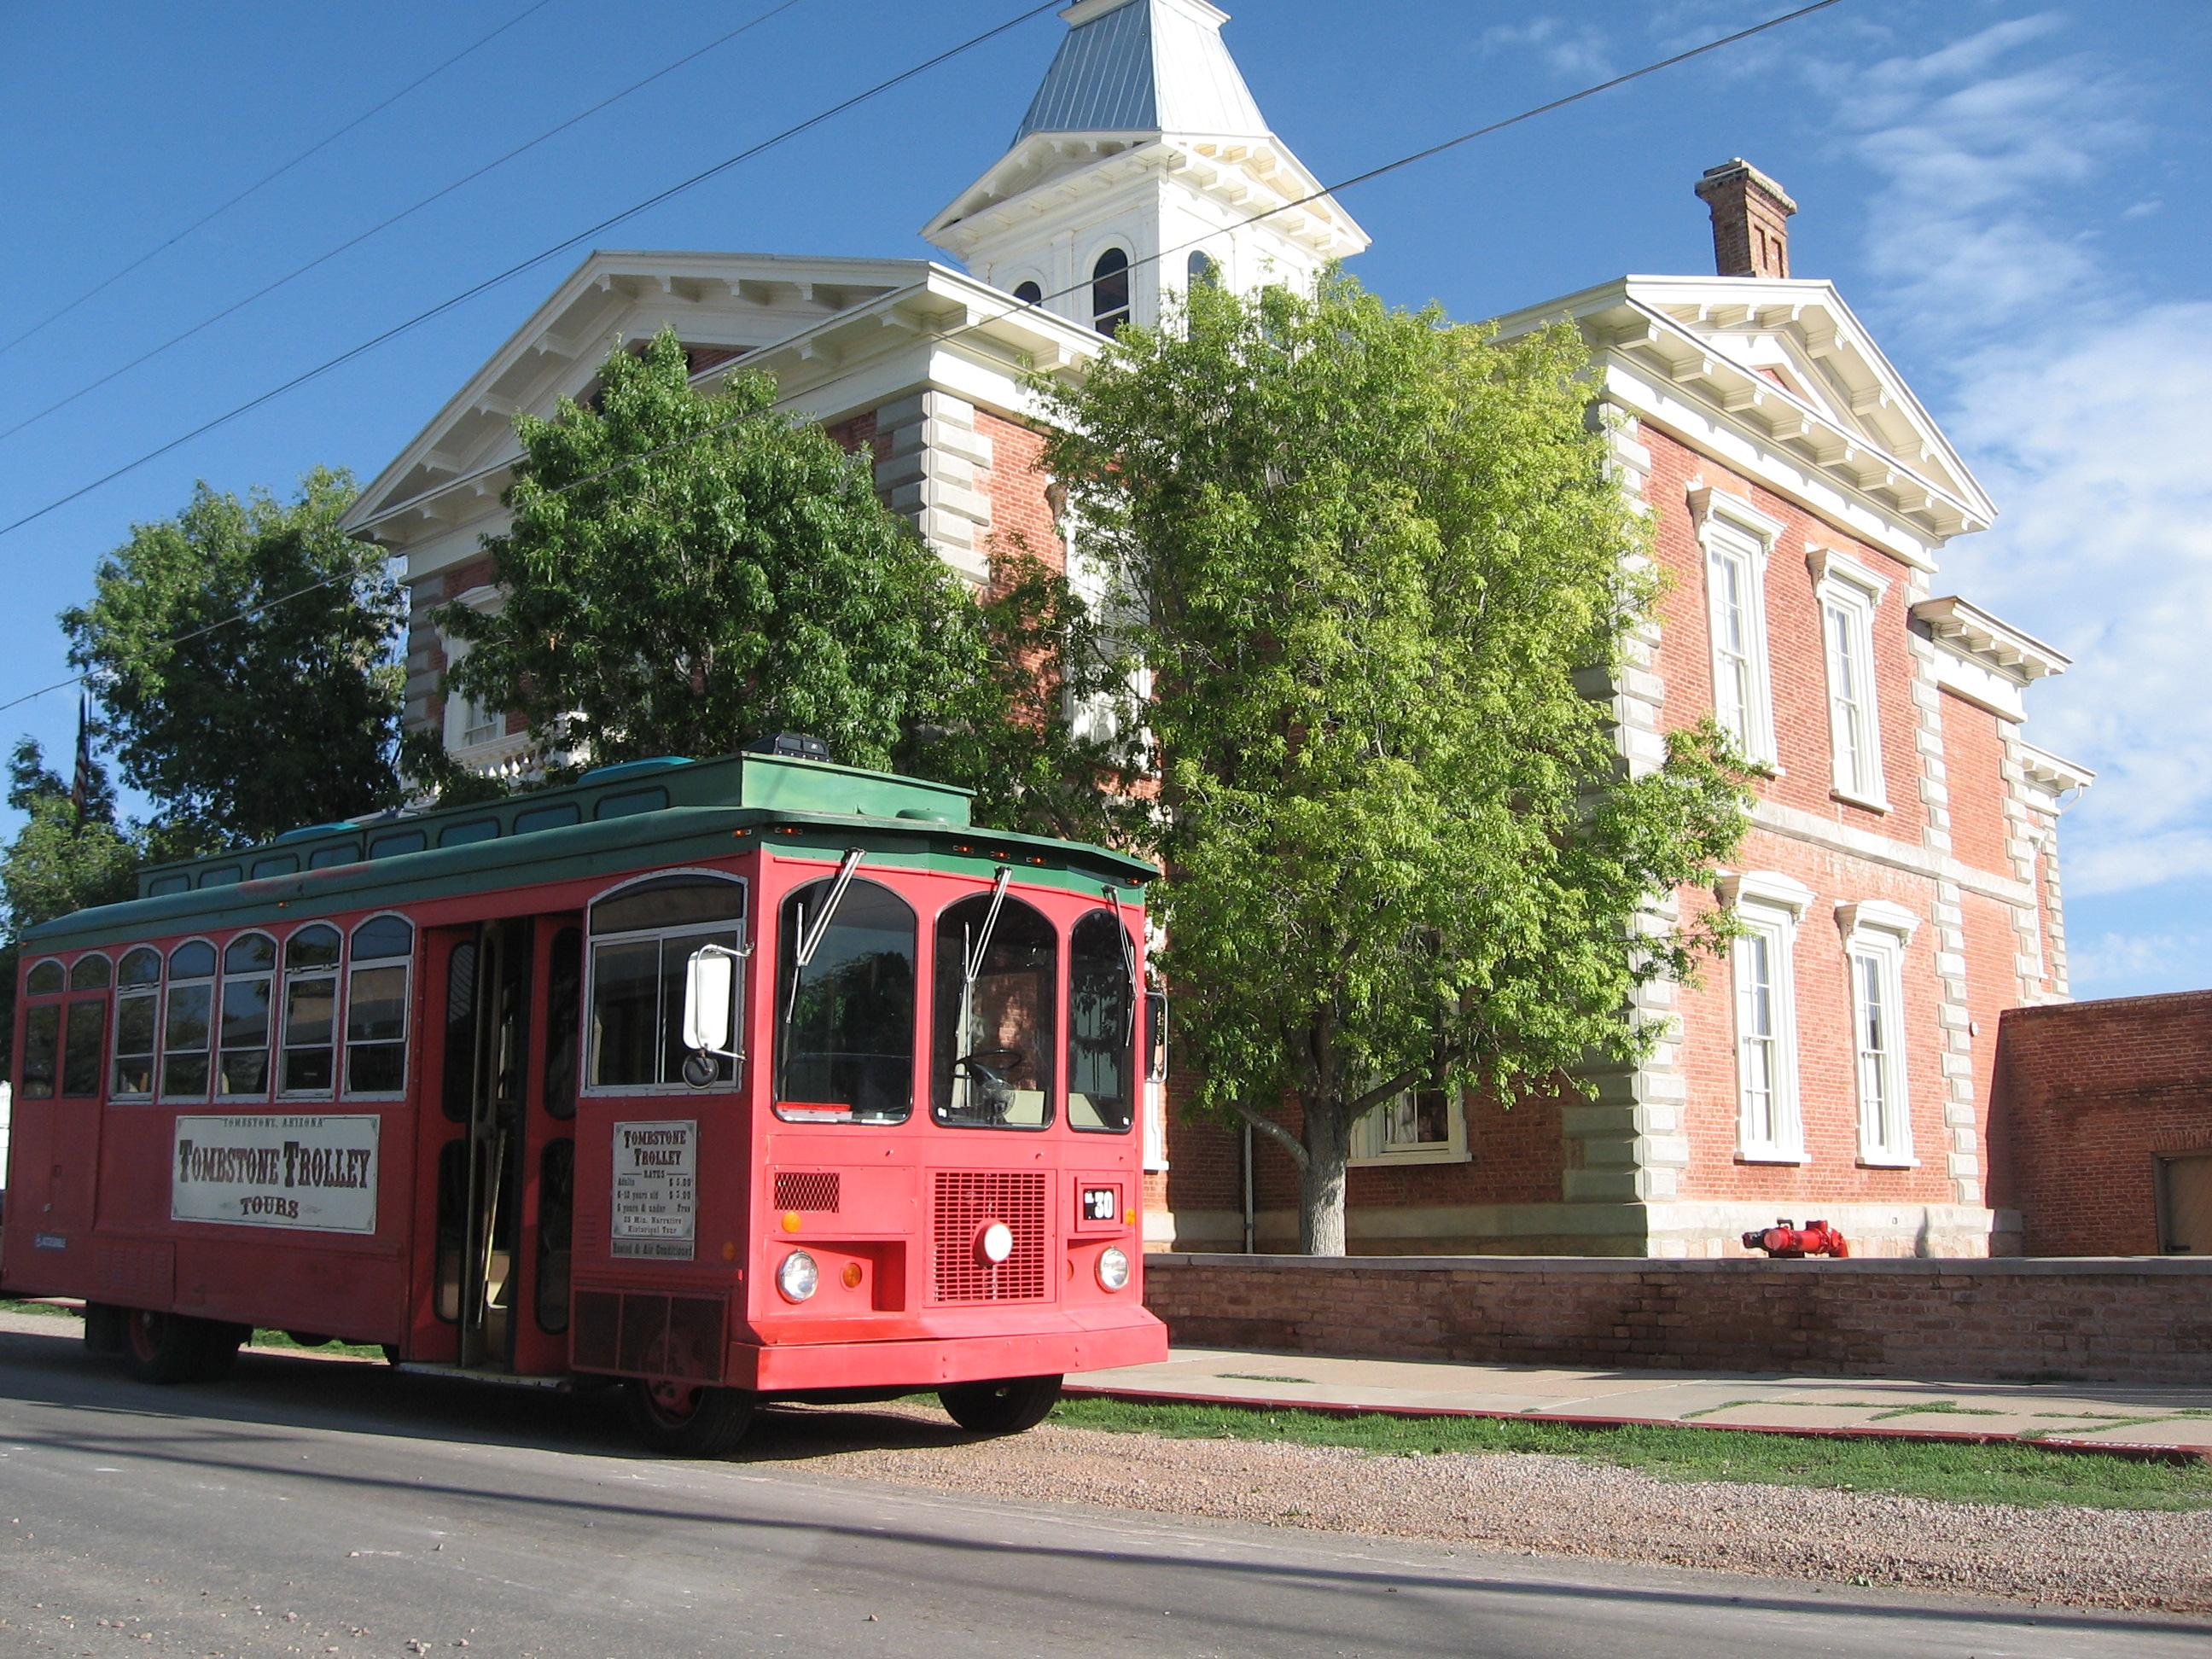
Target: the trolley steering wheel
(985, 1068)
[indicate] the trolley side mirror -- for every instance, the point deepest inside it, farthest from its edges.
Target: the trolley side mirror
(709, 987)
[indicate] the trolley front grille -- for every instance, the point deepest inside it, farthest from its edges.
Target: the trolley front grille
(966, 1201)
(814, 1191)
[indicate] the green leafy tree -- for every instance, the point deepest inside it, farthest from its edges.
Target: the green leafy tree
(243, 656)
(1379, 561)
(57, 863)
(687, 571)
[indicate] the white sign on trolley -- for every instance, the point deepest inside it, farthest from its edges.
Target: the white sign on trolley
(656, 1196)
(316, 1174)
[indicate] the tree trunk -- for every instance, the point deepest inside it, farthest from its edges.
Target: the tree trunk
(1327, 1138)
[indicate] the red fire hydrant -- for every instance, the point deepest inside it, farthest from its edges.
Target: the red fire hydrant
(1786, 1240)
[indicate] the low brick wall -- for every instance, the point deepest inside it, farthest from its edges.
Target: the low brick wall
(2007, 1319)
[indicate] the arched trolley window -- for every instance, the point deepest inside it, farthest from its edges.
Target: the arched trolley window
(643, 934)
(993, 999)
(249, 971)
(1102, 1080)
(187, 1021)
(845, 1003)
(309, 1065)
(137, 1025)
(42, 1029)
(376, 1008)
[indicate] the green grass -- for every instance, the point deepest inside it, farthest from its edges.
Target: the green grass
(2005, 1474)
(260, 1339)
(45, 1309)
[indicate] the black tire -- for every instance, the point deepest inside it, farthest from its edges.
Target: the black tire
(310, 1338)
(686, 1419)
(1007, 1407)
(167, 1347)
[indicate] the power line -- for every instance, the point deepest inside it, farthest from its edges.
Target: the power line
(1018, 307)
(539, 258)
(356, 240)
(221, 208)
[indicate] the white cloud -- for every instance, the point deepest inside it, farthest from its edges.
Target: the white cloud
(1968, 152)
(2117, 964)
(2081, 411)
(1576, 50)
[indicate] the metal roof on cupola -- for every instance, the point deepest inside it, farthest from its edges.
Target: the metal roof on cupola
(1143, 100)
(1144, 65)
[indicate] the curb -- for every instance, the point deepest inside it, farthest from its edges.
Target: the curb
(2134, 1451)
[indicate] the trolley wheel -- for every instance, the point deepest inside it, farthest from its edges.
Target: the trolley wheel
(310, 1338)
(686, 1419)
(1007, 1407)
(167, 1347)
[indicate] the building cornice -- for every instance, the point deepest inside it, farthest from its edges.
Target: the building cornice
(2053, 773)
(1973, 632)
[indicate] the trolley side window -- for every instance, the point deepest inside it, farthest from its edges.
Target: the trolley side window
(996, 985)
(309, 1065)
(376, 1007)
(249, 964)
(137, 1025)
(642, 937)
(844, 1046)
(187, 1020)
(84, 1029)
(42, 1032)
(1102, 1025)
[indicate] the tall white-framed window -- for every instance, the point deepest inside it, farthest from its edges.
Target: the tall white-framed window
(1770, 1125)
(1419, 1126)
(1876, 933)
(1097, 716)
(1737, 538)
(1848, 595)
(472, 722)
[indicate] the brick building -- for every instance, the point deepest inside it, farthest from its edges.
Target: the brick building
(1900, 882)
(2104, 1126)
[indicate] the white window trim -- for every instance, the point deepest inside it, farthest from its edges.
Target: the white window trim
(1772, 905)
(170, 985)
(1725, 524)
(154, 993)
(281, 1004)
(1848, 586)
(1089, 277)
(1369, 1152)
(343, 1032)
(488, 601)
(1880, 929)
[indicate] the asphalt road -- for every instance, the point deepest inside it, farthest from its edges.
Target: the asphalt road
(314, 1508)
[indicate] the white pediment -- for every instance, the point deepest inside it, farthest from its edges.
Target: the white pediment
(732, 305)
(1785, 363)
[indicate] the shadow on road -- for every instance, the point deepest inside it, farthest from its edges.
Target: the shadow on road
(242, 1427)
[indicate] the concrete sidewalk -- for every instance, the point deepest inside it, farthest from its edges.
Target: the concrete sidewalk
(2113, 1416)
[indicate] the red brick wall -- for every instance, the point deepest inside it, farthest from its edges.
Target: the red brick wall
(2003, 1319)
(1021, 516)
(2090, 1094)
(1827, 1062)
(1974, 755)
(1804, 744)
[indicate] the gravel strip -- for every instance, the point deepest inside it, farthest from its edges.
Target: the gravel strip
(1531, 1503)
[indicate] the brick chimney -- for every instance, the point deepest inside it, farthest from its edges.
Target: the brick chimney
(1751, 219)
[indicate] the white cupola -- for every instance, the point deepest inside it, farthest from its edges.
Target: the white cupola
(1143, 162)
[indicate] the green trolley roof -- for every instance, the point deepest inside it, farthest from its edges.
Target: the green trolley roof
(635, 816)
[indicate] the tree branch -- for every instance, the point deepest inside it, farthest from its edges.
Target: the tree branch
(1288, 1142)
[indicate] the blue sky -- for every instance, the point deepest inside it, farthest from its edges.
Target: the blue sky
(2012, 195)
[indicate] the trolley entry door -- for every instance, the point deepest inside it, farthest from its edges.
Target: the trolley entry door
(486, 1076)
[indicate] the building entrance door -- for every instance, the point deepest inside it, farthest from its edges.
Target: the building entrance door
(2185, 1205)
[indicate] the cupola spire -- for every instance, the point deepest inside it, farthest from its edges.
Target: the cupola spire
(1142, 164)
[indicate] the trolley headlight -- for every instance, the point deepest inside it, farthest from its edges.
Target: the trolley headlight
(797, 1276)
(995, 1242)
(1113, 1267)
